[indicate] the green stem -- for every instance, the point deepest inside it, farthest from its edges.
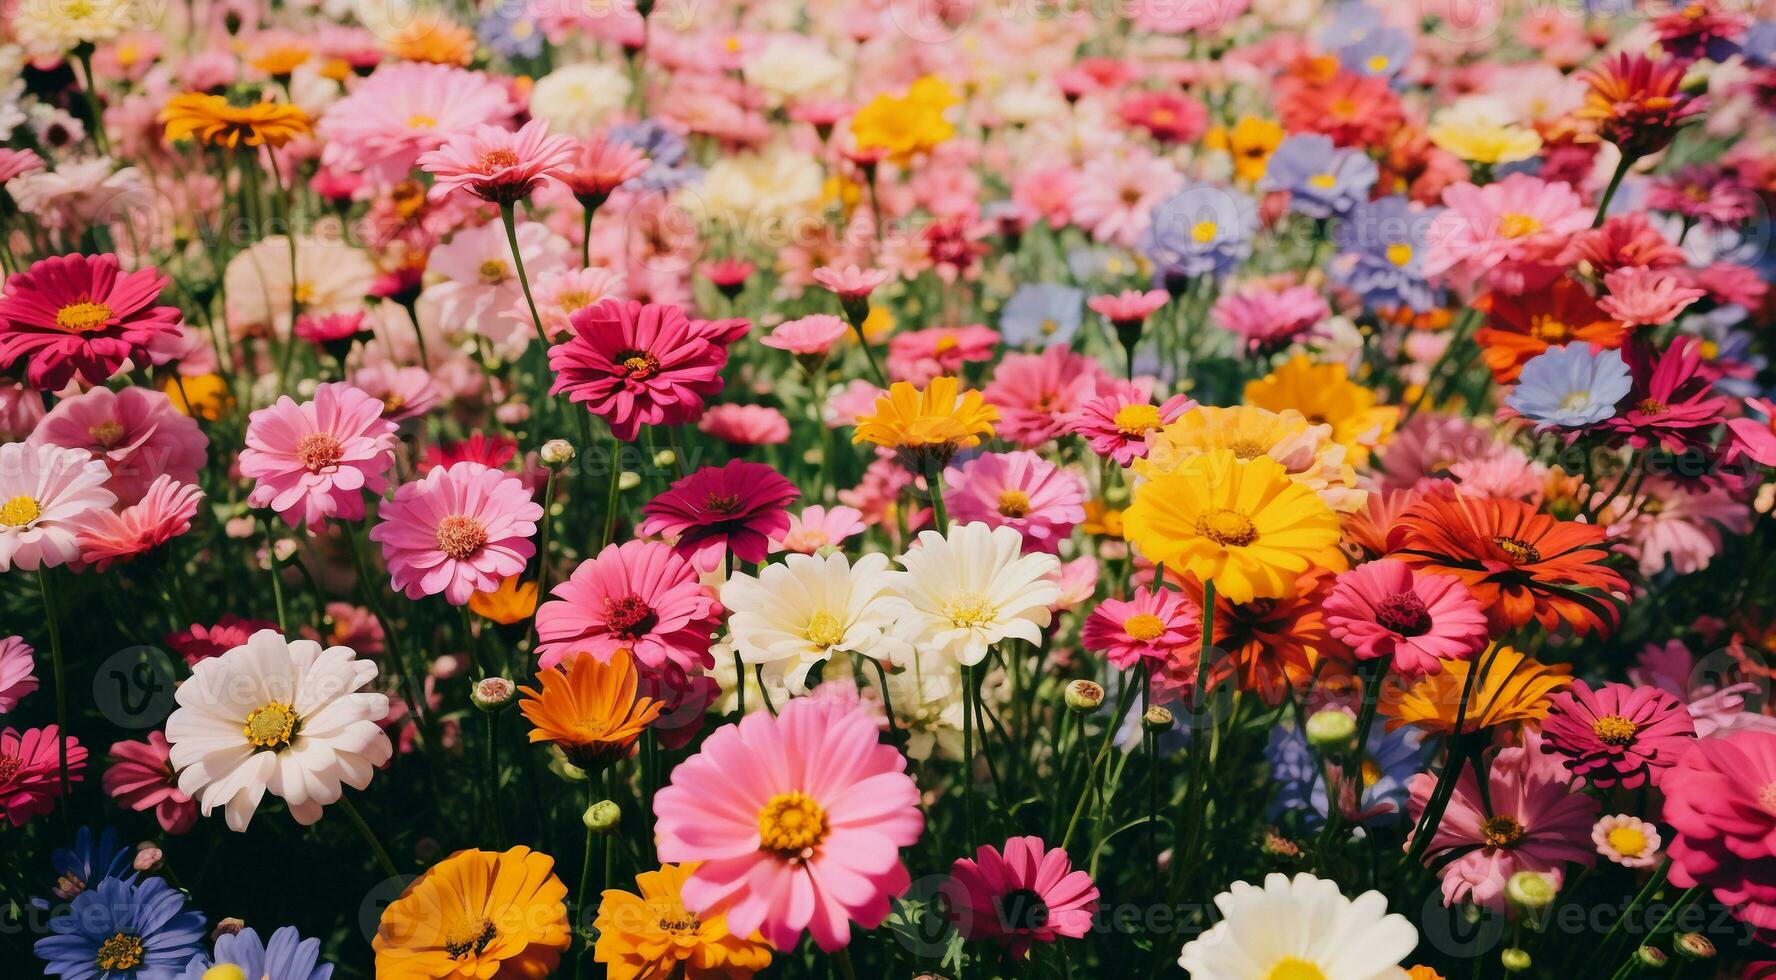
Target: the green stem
(376, 848)
(509, 218)
(53, 624)
(610, 503)
(1609, 192)
(1091, 773)
(542, 557)
(968, 755)
(277, 581)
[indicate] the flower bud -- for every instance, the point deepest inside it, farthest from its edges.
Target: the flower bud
(629, 480)
(1651, 957)
(664, 458)
(1083, 695)
(556, 453)
(493, 694)
(1276, 845)
(1693, 946)
(1157, 719)
(148, 857)
(602, 817)
(1331, 729)
(1514, 960)
(1531, 890)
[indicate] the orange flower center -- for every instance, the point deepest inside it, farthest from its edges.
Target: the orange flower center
(83, 317)
(498, 159)
(492, 272)
(120, 952)
(1614, 730)
(1144, 627)
(1549, 329)
(318, 451)
(1014, 503)
(791, 825)
(460, 536)
(1502, 831)
(1227, 528)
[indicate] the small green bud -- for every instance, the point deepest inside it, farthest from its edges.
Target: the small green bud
(1083, 695)
(1531, 890)
(1157, 719)
(556, 453)
(1651, 957)
(602, 817)
(493, 694)
(1514, 960)
(1693, 946)
(1331, 729)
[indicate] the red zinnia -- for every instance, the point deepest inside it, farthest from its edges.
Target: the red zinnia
(1637, 103)
(1520, 327)
(81, 313)
(633, 364)
(739, 507)
(1355, 110)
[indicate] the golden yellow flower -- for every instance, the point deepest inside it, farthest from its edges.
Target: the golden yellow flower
(280, 59)
(1305, 450)
(512, 602)
(589, 708)
(904, 125)
(1324, 393)
(653, 936)
(1241, 523)
(433, 39)
(1488, 144)
(210, 119)
(1511, 689)
(477, 915)
(1250, 142)
(927, 425)
(1102, 519)
(209, 394)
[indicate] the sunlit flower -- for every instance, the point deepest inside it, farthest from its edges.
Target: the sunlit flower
(967, 589)
(651, 935)
(477, 914)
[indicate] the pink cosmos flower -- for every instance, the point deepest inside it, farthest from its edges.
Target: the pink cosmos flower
(456, 531)
(199, 642)
(18, 675)
(136, 431)
(1537, 821)
(1627, 840)
(1116, 425)
(850, 282)
(313, 461)
(1047, 192)
(1019, 490)
(598, 166)
(1717, 800)
(47, 495)
(496, 164)
(797, 821)
(82, 315)
(163, 513)
(1036, 393)
(739, 507)
(1681, 526)
(1388, 609)
(1117, 195)
(920, 355)
(633, 364)
(745, 425)
(1131, 307)
(1617, 734)
(1026, 894)
(141, 777)
(1270, 319)
(1646, 297)
(817, 527)
(809, 337)
(1510, 232)
(1151, 625)
(31, 771)
(404, 109)
(639, 596)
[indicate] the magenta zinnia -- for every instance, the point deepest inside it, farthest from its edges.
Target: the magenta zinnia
(80, 314)
(1414, 620)
(1617, 734)
(639, 596)
(635, 364)
(1026, 894)
(739, 507)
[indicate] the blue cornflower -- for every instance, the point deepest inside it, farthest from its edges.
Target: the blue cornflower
(1731, 348)
(89, 860)
(1382, 53)
(1042, 312)
(1322, 180)
(123, 930)
(1571, 386)
(1390, 761)
(287, 956)
(1759, 45)
(1349, 24)
(508, 29)
(1201, 230)
(1381, 247)
(667, 152)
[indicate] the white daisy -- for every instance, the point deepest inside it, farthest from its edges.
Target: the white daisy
(967, 590)
(47, 494)
(799, 613)
(331, 277)
(1300, 929)
(284, 716)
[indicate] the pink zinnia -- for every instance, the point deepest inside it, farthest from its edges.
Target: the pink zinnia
(1116, 425)
(18, 675)
(313, 461)
(1019, 490)
(47, 495)
(141, 778)
(920, 355)
(739, 507)
(1117, 195)
(1646, 297)
(1413, 619)
(639, 596)
(797, 821)
(1537, 821)
(809, 337)
(1150, 625)
(1720, 799)
(31, 771)
(633, 364)
(199, 642)
(163, 513)
(1270, 319)
(1026, 894)
(598, 166)
(403, 110)
(1510, 232)
(817, 527)
(80, 314)
(1617, 734)
(1673, 401)
(1129, 308)
(136, 431)
(496, 164)
(456, 531)
(745, 425)
(850, 282)
(1752, 436)
(405, 392)
(1036, 393)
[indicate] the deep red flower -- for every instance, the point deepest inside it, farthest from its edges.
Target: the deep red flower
(81, 314)
(739, 507)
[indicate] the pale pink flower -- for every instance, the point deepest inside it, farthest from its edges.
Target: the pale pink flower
(163, 513)
(405, 109)
(47, 496)
(917, 356)
(850, 282)
(560, 293)
(1646, 297)
(1117, 195)
(1019, 490)
(312, 461)
(819, 527)
(458, 530)
(405, 392)
(810, 336)
(1510, 232)
(1270, 319)
(497, 164)
(1627, 840)
(18, 675)
(135, 430)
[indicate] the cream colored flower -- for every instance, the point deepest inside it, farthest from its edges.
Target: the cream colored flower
(799, 613)
(331, 277)
(52, 28)
(1483, 129)
(966, 590)
(1300, 927)
(788, 68)
(753, 191)
(577, 99)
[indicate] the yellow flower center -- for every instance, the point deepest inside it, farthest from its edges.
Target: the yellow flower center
(1291, 968)
(318, 451)
(1144, 626)
(1521, 552)
(792, 825)
(1628, 841)
(420, 120)
(1515, 224)
(1049, 327)
(469, 937)
(1227, 528)
(1371, 772)
(1246, 448)
(1378, 63)
(1399, 253)
(120, 952)
(1204, 232)
(1548, 329)
(492, 272)
(1324, 182)
(270, 726)
(498, 159)
(970, 610)
(1502, 831)
(1014, 503)
(105, 433)
(1614, 730)
(824, 630)
(19, 511)
(460, 536)
(1137, 419)
(303, 293)
(83, 317)
(946, 343)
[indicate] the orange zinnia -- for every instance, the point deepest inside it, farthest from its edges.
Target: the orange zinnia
(589, 708)
(1271, 645)
(213, 120)
(1510, 689)
(1520, 327)
(1520, 563)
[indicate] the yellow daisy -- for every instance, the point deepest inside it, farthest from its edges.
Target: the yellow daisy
(1305, 450)
(927, 426)
(1324, 393)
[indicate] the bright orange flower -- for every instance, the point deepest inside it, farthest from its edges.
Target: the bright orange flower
(1272, 645)
(1520, 327)
(1511, 689)
(512, 602)
(589, 708)
(1520, 563)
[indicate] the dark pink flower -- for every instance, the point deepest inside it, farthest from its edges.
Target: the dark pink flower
(141, 777)
(633, 364)
(739, 507)
(1027, 894)
(456, 531)
(1720, 799)
(31, 771)
(200, 642)
(1672, 402)
(1150, 625)
(1617, 734)
(1019, 490)
(639, 596)
(1415, 620)
(80, 314)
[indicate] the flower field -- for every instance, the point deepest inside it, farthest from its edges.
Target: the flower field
(1237, 489)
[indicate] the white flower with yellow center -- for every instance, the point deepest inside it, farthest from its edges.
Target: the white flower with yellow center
(799, 613)
(277, 715)
(1300, 928)
(787, 68)
(330, 277)
(966, 590)
(578, 98)
(52, 28)
(47, 495)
